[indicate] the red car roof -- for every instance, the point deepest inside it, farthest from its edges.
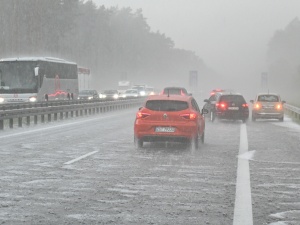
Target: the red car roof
(170, 97)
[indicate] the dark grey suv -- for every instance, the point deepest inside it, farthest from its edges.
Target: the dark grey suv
(230, 106)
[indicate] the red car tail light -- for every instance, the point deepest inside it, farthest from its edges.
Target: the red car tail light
(189, 116)
(245, 105)
(141, 115)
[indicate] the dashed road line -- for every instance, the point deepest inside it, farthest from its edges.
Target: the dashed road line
(243, 204)
(79, 158)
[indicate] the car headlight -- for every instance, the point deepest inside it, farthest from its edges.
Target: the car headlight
(102, 96)
(90, 97)
(33, 99)
(1, 100)
(116, 96)
(142, 93)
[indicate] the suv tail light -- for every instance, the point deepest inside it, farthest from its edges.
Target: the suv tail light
(221, 105)
(189, 116)
(245, 105)
(141, 115)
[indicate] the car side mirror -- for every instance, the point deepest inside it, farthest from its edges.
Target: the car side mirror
(140, 108)
(206, 100)
(283, 102)
(204, 111)
(252, 101)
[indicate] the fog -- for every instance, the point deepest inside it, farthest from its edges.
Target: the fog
(231, 37)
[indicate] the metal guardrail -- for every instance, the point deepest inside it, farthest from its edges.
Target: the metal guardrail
(40, 112)
(292, 111)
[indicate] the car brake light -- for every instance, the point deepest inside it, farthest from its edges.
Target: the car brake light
(245, 105)
(189, 116)
(141, 115)
(221, 105)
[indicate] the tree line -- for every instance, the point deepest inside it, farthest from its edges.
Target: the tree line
(284, 62)
(114, 43)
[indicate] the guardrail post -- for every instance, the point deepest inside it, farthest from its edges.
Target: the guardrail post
(28, 120)
(61, 115)
(35, 119)
(67, 115)
(11, 123)
(1, 125)
(49, 117)
(72, 113)
(43, 118)
(55, 116)
(20, 121)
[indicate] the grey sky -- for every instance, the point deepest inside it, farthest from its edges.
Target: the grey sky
(231, 36)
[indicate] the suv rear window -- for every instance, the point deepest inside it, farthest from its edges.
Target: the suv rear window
(268, 98)
(166, 105)
(233, 98)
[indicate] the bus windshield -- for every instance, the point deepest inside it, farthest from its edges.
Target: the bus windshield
(18, 77)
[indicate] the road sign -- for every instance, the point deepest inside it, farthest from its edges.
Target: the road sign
(193, 78)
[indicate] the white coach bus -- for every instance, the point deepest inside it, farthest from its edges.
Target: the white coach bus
(32, 79)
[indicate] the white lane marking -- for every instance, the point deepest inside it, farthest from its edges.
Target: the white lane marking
(243, 203)
(79, 158)
(249, 155)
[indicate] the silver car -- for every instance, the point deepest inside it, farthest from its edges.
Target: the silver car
(267, 106)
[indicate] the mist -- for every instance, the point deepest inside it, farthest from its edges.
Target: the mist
(231, 37)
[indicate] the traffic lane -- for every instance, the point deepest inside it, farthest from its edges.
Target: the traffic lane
(166, 184)
(275, 170)
(118, 184)
(32, 160)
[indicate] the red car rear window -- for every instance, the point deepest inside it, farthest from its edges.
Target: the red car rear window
(166, 105)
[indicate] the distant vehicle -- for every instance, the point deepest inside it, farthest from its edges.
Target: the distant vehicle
(213, 92)
(109, 95)
(32, 79)
(150, 91)
(231, 106)
(175, 118)
(267, 106)
(174, 91)
(130, 93)
(141, 89)
(210, 105)
(123, 86)
(88, 95)
(84, 78)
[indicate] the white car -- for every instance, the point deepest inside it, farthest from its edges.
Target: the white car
(130, 93)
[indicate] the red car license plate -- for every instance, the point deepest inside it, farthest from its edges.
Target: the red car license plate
(165, 129)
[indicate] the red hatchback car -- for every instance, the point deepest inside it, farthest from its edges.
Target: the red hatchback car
(174, 118)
